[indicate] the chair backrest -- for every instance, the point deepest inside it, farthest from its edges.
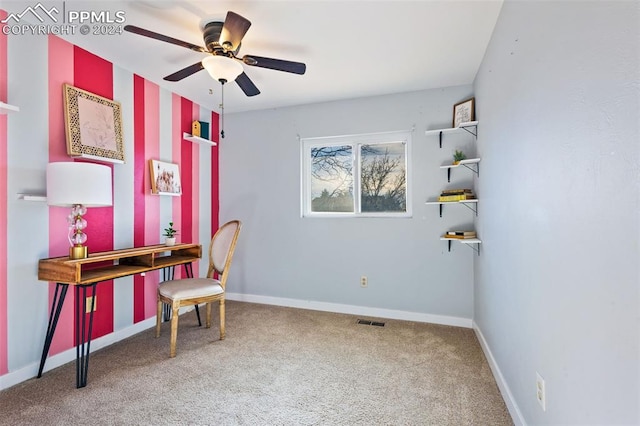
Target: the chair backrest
(221, 249)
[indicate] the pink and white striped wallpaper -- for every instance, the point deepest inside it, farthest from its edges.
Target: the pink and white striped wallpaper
(147, 102)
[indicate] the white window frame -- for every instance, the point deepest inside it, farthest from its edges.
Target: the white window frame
(355, 141)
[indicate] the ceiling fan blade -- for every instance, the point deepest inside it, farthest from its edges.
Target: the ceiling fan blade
(247, 85)
(234, 28)
(151, 34)
(185, 72)
(275, 64)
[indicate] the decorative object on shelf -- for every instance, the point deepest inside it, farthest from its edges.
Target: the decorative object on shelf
(165, 178)
(464, 112)
(93, 126)
(78, 185)
(200, 129)
(170, 235)
(458, 156)
(449, 195)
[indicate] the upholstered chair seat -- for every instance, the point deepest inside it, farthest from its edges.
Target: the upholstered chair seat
(190, 287)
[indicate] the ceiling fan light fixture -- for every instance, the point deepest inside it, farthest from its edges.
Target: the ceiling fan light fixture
(222, 68)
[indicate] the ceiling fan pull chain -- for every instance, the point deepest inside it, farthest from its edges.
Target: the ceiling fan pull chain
(222, 81)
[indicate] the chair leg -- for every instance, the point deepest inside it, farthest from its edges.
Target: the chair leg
(222, 331)
(208, 318)
(158, 317)
(174, 328)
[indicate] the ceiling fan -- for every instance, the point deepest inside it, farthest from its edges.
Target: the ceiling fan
(222, 41)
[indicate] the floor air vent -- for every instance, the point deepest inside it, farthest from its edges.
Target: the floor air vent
(367, 322)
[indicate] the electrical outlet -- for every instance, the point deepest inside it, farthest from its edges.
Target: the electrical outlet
(364, 281)
(540, 392)
(87, 304)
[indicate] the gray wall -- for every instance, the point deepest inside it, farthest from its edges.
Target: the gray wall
(556, 288)
(282, 255)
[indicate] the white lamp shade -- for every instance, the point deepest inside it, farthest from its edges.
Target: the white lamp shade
(222, 68)
(70, 183)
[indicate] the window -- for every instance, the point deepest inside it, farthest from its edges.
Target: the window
(361, 175)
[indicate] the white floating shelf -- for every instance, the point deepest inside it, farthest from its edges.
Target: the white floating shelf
(469, 242)
(462, 162)
(462, 240)
(461, 127)
(452, 202)
(32, 197)
(173, 194)
(98, 158)
(196, 139)
(6, 108)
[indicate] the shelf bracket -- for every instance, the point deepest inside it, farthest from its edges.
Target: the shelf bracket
(440, 210)
(475, 169)
(467, 129)
(440, 138)
(469, 206)
(471, 246)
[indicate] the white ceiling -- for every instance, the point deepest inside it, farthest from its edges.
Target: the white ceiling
(351, 48)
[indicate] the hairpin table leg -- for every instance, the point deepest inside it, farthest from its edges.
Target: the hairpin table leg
(188, 269)
(56, 307)
(83, 335)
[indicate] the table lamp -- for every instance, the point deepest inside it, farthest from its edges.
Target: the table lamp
(78, 185)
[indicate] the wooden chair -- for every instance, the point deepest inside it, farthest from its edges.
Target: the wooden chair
(193, 291)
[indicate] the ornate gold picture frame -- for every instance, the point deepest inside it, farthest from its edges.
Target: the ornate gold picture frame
(93, 126)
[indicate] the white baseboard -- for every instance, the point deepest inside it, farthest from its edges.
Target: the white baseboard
(351, 309)
(516, 415)
(54, 361)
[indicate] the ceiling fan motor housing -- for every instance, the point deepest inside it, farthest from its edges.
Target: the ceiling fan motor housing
(211, 34)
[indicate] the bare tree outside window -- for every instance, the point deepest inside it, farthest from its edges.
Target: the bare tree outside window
(383, 178)
(332, 179)
(363, 176)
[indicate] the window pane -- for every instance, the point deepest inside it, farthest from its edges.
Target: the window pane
(332, 179)
(383, 177)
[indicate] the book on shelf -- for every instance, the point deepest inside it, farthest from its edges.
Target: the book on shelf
(473, 233)
(456, 191)
(458, 237)
(459, 197)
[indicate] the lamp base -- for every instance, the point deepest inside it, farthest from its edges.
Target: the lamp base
(78, 252)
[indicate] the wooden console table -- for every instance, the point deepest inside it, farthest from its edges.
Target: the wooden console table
(104, 266)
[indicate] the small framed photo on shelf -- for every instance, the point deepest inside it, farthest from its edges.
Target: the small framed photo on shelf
(165, 178)
(93, 126)
(463, 112)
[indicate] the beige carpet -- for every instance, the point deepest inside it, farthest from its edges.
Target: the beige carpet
(277, 366)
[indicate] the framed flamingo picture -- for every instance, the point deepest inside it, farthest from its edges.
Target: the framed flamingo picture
(165, 178)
